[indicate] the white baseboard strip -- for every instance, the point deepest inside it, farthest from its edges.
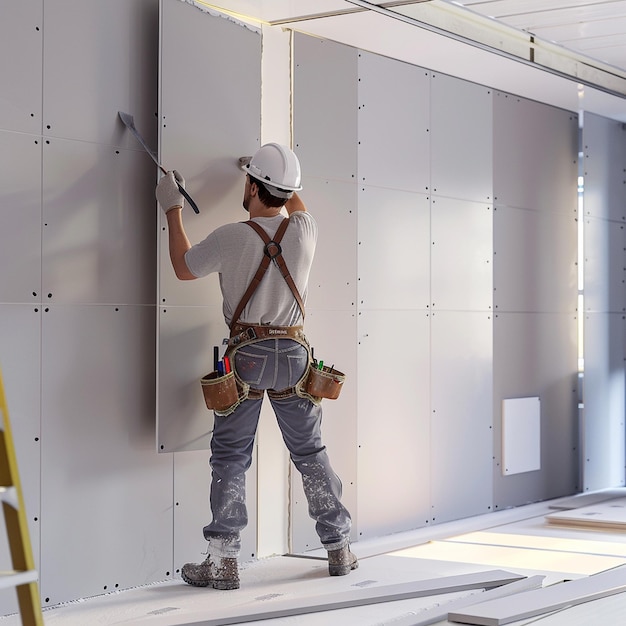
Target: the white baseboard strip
(545, 600)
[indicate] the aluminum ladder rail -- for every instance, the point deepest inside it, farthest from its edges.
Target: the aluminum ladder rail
(24, 576)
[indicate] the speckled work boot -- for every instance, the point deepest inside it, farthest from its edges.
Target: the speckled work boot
(219, 573)
(342, 561)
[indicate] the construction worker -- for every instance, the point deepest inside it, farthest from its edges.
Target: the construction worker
(268, 352)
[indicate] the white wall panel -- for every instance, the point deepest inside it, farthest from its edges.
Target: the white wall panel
(393, 249)
(20, 181)
(88, 78)
(535, 355)
(462, 253)
(604, 149)
(325, 108)
(19, 363)
(535, 155)
(604, 401)
(21, 37)
(202, 134)
(106, 493)
(393, 119)
(461, 144)
(187, 336)
(333, 278)
(461, 415)
(394, 421)
(535, 257)
(332, 334)
(605, 265)
(98, 224)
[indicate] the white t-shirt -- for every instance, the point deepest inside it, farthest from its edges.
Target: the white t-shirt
(235, 252)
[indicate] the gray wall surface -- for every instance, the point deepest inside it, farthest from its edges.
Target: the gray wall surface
(444, 283)
(466, 291)
(604, 150)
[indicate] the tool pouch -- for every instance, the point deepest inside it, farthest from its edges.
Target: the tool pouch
(223, 393)
(317, 384)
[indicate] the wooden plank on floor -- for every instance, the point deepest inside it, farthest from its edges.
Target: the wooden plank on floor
(373, 595)
(544, 600)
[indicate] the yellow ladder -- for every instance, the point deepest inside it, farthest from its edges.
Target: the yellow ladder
(24, 576)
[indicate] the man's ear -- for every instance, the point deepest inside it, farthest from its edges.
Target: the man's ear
(254, 188)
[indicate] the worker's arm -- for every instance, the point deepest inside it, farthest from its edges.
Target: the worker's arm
(172, 202)
(178, 244)
(294, 204)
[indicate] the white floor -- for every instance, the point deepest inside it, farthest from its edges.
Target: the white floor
(519, 540)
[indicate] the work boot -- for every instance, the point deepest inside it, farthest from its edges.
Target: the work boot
(219, 573)
(342, 561)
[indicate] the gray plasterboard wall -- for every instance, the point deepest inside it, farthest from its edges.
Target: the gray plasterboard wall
(604, 171)
(79, 223)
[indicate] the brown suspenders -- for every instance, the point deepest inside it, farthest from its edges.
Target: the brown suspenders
(272, 252)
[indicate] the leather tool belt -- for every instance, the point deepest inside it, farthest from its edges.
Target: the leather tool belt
(241, 334)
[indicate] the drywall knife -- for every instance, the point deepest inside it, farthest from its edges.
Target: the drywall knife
(130, 124)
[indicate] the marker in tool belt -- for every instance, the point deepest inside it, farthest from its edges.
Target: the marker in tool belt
(321, 365)
(227, 365)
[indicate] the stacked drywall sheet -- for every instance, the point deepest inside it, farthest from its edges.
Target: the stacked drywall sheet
(609, 514)
(545, 600)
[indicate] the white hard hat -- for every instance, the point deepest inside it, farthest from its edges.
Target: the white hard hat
(278, 168)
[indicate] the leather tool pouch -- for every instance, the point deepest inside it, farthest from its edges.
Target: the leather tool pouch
(223, 394)
(317, 384)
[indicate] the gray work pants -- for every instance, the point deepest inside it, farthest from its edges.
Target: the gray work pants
(274, 364)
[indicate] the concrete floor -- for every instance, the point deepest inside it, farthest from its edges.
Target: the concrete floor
(519, 540)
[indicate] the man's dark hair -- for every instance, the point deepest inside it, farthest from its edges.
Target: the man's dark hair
(266, 197)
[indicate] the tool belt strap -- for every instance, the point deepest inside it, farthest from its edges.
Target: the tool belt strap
(244, 333)
(272, 252)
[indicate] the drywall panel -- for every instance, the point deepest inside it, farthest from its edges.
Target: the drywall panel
(461, 254)
(541, 142)
(19, 366)
(332, 334)
(217, 64)
(535, 260)
(604, 395)
(394, 154)
(98, 224)
(461, 145)
(605, 265)
(535, 355)
(187, 336)
(325, 108)
(87, 79)
(192, 479)
(394, 441)
(545, 600)
(106, 496)
(393, 249)
(333, 278)
(21, 37)
(461, 418)
(20, 181)
(521, 435)
(604, 150)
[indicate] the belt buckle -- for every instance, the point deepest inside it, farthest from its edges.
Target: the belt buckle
(250, 333)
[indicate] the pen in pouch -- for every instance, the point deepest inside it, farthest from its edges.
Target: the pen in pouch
(216, 357)
(226, 365)
(321, 365)
(220, 368)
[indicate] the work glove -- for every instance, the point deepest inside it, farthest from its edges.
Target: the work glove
(167, 192)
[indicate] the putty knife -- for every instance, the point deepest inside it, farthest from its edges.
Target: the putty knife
(130, 124)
